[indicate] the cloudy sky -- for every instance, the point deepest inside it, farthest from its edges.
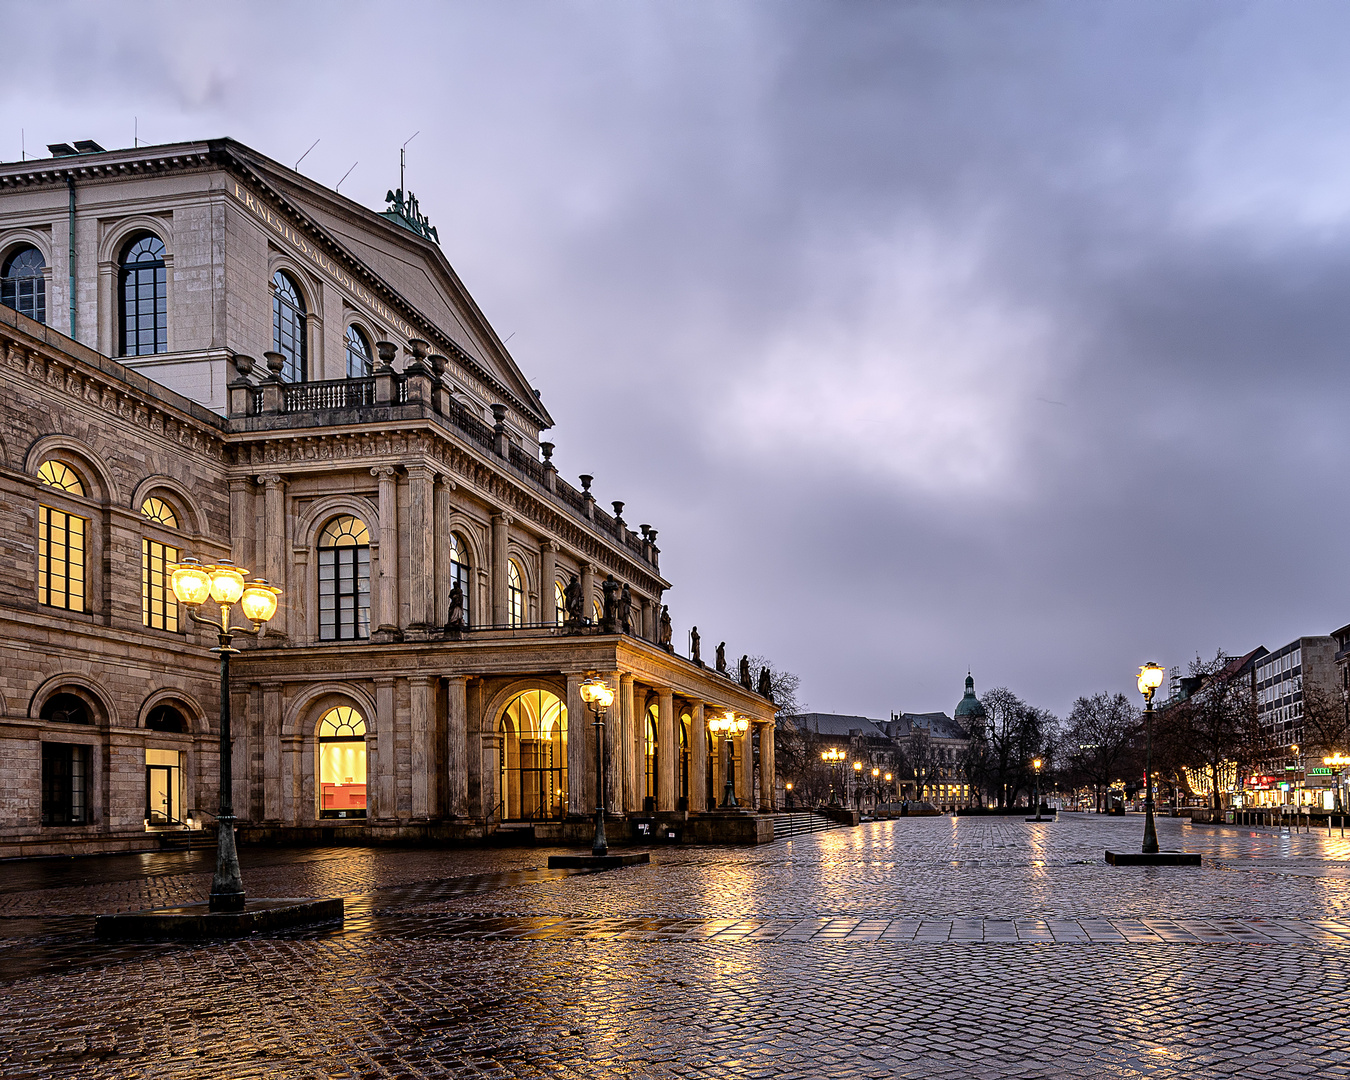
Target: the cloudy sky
(1007, 337)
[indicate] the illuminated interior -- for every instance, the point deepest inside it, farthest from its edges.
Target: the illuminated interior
(533, 763)
(342, 764)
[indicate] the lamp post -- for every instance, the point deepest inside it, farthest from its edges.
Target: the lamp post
(223, 582)
(1150, 678)
(729, 725)
(1036, 767)
(833, 757)
(875, 773)
(788, 789)
(857, 785)
(888, 787)
(598, 697)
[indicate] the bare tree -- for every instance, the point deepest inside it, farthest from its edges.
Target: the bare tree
(1099, 740)
(920, 759)
(1217, 725)
(1326, 720)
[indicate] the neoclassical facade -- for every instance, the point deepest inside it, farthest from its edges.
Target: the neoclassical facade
(204, 353)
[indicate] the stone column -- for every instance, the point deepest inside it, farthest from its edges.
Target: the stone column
(614, 749)
(768, 796)
(548, 573)
(667, 746)
(243, 549)
(386, 617)
(422, 752)
(500, 606)
(421, 544)
(698, 760)
(271, 753)
(274, 531)
(588, 588)
(743, 748)
(456, 746)
(381, 758)
(632, 788)
(579, 800)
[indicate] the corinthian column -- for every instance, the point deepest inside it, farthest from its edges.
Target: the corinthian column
(421, 544)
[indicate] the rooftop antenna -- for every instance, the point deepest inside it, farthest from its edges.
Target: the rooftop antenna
(135, 131)
(23, 145)
(403, 158)
(345, 175)
(306, 154)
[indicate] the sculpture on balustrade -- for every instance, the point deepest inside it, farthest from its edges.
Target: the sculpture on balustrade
(722, 658)
(745, 672)
(663, 634)
(626, 610)
(766, 682)
(694, 647)
(609, 617)
(454, 625)
(574, 603)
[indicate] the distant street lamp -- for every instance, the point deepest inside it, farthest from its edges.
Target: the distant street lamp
(857, 785)
(598, 696)
(833, 757)
(194, 584)
(1036, 766)
(888, 787)
(1150, 678)
(788, 789)
(875, 773)
(729, 725)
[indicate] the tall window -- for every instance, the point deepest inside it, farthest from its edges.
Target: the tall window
(344, 580)
(22, 284)
(359, 363)
(159, 609)
(533, 761)
(515, 594)
(288, 327)
(559, 604)
(649, 746)
(61, 542)
(65, 784)
(145, 300)
(685, 721)
(342, 764)
(459, 571)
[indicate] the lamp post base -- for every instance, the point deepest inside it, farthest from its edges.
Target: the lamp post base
(227, 886)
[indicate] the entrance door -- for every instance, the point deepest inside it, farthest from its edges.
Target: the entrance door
(163, 787)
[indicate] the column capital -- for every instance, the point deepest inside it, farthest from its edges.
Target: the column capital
(241, 483)
(448, 480)
(421, 471)
(552, 545)
(384, 472)
(271, 479)
(503, 516)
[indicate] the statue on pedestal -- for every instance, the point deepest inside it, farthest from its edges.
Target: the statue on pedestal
(454, 624)
(574, 603)
(766, 682)
(609, 617)
(694, 647)
(722, 658)
(663, 633)
(745, 672)
(626, 610)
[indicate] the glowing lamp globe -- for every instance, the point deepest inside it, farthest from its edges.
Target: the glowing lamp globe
(191, 583)
(227, 583)
(259, 601)
(1150, 678)
(597, 692)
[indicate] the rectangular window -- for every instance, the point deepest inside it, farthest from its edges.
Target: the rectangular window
(60, 559)
(159, 609)
(459, 575)
(163, 787)
(65, 784)
(344, 593)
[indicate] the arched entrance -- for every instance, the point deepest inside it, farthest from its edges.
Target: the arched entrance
(652, 758)
(683, 796)
(342, 763)
(533, 758)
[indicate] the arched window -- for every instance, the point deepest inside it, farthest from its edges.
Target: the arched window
(342, 763)
(66, 708)
(533, 762)
(359, 363)
(650, 747)
(597, 612)
(344, 580)
(166, 718)
(159, 609)
(61, 542)
(515, 595)
(288, 327)
(145, 300)
(685, 720)
(23, 286)
(459, 572)
(559, 604)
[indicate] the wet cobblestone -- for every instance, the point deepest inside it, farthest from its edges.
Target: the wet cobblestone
(928, 948)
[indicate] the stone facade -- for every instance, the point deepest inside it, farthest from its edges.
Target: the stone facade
(437, 455)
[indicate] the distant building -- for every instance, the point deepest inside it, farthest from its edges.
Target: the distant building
(1288, 682)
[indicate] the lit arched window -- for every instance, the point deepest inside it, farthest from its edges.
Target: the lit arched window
(22, 284)
(145, 300)
(288, 327)
(159, 609)
(559, 604)
(344, 580)
(533, 761)
(359, 363)
(597, 612)
(342, 764)
(61, 541)
(515, 595)
(685, 720)
(459, 571)
(650, 748)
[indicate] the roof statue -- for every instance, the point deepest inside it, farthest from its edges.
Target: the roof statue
(403, 210)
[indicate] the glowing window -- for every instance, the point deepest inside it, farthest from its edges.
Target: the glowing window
(533, 762)
(60, 559)
(515, 595)
(342, 763)
(159, 609)
(650, 747)
(59, 475)
(559, 604)
(159, 511)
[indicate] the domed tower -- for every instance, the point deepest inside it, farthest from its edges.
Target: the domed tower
(968, 710)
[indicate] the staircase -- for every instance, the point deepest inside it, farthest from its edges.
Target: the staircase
(787, 825)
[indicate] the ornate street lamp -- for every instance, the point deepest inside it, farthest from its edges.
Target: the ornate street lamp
(857, 784)
(598, 696)
(833, 757)
(223, 582)
(875, 773)
(729, 726)
(1036, 766)
(1150, 678)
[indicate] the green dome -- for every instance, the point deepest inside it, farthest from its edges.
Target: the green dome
(969, 706)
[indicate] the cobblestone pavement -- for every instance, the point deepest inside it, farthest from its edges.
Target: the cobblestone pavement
(923, 948)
